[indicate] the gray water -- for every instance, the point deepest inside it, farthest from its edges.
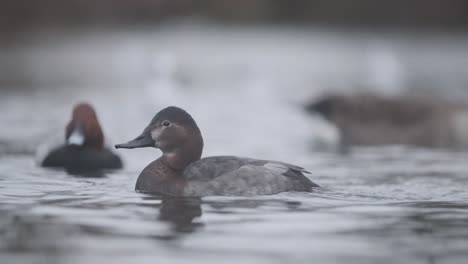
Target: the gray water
(244, 87)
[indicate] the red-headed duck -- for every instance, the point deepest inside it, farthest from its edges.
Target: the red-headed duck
(181, 171)
(84, 149)
(367, 119)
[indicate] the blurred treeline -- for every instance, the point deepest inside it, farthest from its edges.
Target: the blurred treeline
(19, 15)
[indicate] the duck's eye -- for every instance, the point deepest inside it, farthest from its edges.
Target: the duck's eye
(166, 123)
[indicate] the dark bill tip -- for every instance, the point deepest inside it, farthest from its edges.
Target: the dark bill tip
(123, 145)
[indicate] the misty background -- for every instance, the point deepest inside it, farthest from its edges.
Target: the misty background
(244, 70)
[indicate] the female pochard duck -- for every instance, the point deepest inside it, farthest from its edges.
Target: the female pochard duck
(180, 171)
(84, 149)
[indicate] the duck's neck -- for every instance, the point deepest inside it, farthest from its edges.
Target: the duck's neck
(179, 158)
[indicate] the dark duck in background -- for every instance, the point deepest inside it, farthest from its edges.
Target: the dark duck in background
(83, 151)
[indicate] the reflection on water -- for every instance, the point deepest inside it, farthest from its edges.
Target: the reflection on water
(181, 212)
(377, 205)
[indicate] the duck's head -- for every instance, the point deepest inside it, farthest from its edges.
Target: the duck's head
(84, 130)
(325, 106)
(172, 130)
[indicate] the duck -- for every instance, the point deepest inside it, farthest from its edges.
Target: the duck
(182, 172)
(374, 120)
(83, 151)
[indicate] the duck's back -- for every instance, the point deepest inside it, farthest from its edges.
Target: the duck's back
(230, 175)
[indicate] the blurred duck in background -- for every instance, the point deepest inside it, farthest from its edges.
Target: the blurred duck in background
(366, 119)
(83, 151)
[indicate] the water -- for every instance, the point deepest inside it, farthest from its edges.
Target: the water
(377, 205)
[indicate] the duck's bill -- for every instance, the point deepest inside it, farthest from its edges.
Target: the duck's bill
(142, 141)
